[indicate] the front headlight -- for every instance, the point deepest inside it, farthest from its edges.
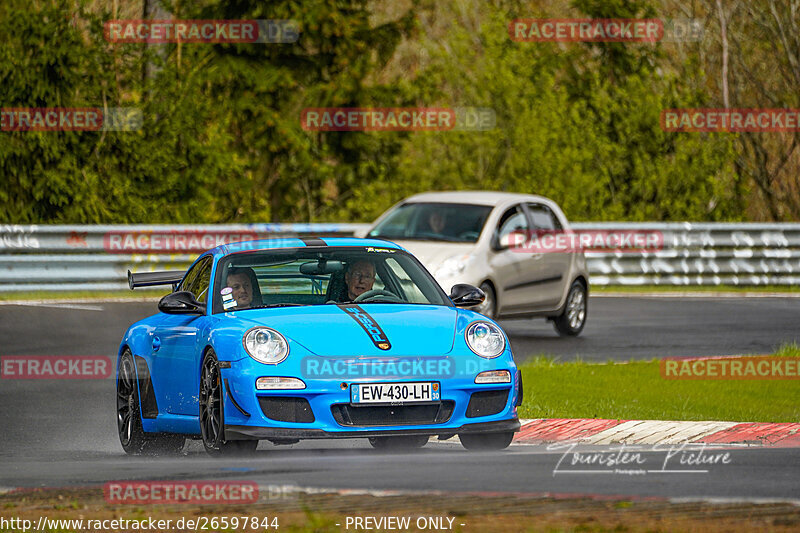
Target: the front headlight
(265, 345)
(485, 339)
(452, 266)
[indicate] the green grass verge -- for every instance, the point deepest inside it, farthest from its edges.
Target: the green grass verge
(635, 390)
(789, 350)
(694, 288)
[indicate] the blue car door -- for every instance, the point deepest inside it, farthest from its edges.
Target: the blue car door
(177, 347)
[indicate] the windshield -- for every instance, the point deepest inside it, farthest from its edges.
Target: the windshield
(433, 222)
(283, 278)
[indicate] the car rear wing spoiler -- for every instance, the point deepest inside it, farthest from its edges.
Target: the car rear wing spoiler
(151, 279)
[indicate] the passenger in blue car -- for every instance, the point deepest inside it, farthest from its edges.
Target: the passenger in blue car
(359, 278)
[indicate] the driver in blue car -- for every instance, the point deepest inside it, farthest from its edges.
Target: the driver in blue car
(359, 278)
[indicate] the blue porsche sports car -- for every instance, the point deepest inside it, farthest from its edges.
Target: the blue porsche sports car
(302, 338)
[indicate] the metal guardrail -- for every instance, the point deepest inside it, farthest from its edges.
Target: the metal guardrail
(58, 258)
(702, 254)
(91, 258)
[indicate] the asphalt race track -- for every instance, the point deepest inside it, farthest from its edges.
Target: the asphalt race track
(617, 328)
(63, 432)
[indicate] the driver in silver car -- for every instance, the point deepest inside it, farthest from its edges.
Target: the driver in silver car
(436, 221)
(359, 278)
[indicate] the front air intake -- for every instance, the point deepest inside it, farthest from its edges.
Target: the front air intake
(485, 403)
(286, 409)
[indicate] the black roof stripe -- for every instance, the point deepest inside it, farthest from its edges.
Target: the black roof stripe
(313, 241)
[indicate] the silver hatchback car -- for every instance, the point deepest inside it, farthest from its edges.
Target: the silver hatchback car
(473, 237)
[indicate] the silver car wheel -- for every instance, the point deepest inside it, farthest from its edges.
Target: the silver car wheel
(576, 309)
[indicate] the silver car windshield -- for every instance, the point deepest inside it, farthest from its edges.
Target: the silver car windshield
(433, 222)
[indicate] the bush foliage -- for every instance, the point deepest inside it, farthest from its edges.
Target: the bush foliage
(222, 141)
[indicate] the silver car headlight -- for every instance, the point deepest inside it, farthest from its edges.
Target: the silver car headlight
(453, 266)
(485, 339)
(265, 345)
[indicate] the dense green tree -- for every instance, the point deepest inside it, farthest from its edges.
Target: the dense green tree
(577, 122)
(221, 139)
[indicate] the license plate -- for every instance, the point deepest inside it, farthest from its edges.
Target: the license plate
(395, 393)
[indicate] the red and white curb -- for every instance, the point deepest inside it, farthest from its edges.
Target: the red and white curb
(602, 431)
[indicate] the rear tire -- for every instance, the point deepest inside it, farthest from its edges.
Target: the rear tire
(212, 413)
(400, 442)
(132, 436)
(570, 323)
(486, 441)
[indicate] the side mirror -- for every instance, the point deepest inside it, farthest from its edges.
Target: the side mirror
(181, 303)
(514, 239)
(495, 243)
(464, 295)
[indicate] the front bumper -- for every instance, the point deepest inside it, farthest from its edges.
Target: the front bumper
(323, 408)
(250, 432)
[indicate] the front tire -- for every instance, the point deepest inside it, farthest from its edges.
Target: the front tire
(132, 436)
(486, 441)
(212, 413)
(400, 442)
(570, 323)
